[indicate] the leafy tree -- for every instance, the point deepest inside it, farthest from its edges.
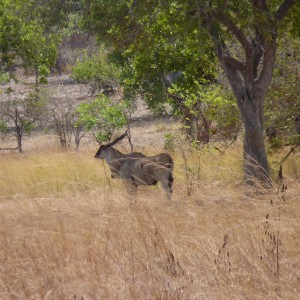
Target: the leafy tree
(38, 52)
(242, 35)
(103, 116)
(28, 30)
(208, 110)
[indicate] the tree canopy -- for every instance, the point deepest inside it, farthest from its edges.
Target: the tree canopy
(29, 30)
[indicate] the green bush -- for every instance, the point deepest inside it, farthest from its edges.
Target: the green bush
(4, 77)
(169, 141)
(3, 126)
(102, 117)
(96, 68)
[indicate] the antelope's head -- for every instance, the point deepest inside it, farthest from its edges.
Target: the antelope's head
(103, 151)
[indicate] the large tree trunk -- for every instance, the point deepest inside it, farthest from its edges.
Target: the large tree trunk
(251, 105)
(255, 157)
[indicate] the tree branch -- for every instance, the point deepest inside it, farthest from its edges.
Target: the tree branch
(283, 9)
(237, 32)
(290, 152)
(11, 148)
(225, 57)
(234, 63)
(258, 51)
(264, 80)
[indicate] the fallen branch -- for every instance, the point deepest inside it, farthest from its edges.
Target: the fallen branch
(280, 173)
(3, 149)
(291, 151)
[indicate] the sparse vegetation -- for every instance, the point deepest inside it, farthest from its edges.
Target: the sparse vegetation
(169, 141)
(20, 115)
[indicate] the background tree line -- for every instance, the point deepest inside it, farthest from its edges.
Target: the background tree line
(217, 64)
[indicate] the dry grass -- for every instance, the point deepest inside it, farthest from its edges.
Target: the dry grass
(66, 234)
(48, 173)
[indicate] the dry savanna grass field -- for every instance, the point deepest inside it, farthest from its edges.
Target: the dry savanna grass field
(67, 230)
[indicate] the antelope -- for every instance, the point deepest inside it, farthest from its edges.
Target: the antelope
(137, 169)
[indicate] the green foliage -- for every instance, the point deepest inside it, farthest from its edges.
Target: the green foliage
(96, 68)
(169, 143)
(282, 103)
(158, 37)
(4, 77)
(3, 126)
(26, 32)
(36, 50)
(292, 22)
(102, 116)
(210, 108)
(294, 139)
(22, 114)
(29, 126)
(160, 43)
(152, 44)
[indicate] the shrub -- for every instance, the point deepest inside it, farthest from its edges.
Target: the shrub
(96, 69)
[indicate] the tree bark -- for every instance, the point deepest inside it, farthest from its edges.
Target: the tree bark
(255, 157)
(251, 105)
(19, 136)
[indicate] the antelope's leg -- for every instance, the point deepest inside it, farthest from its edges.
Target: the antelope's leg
(167, 185)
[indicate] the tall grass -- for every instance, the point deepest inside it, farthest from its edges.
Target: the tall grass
(66, 233)
(48, 173)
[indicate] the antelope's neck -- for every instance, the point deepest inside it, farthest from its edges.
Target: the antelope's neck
(114, 155)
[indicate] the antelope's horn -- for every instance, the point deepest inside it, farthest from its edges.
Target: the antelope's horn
(118, 139)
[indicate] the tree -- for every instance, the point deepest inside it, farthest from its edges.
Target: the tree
(242, 35)
(19, 115)
(207, 110)
(63, 116)
(29, 30)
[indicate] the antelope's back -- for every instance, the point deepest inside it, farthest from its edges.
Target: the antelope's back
(130, 163)
(163, 159)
